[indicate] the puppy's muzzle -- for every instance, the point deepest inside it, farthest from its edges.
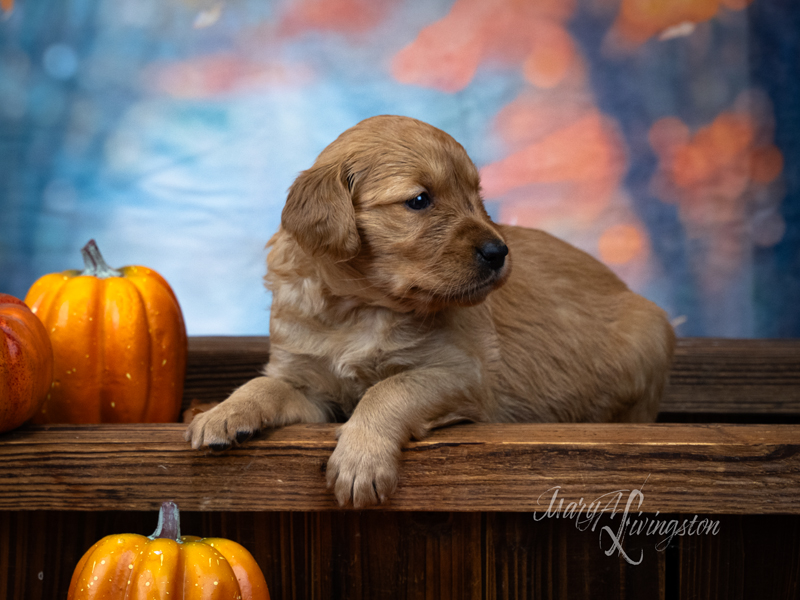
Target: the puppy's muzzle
(492, 254)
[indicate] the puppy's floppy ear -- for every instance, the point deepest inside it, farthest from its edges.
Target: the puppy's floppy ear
(319, 212)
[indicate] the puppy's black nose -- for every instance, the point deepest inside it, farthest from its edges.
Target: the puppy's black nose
(493, 253)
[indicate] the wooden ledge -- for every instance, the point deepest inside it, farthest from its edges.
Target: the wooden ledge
(714, 377)
(690, 469)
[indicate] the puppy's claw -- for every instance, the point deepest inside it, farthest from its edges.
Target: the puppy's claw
(219, 447)
(362, 474)
(194, 434)
(381, 497)
(243, 435)
(223, 426)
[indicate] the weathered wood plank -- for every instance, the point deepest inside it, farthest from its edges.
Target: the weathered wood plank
(217, 365)
(387, 555)
(734, 469)
(750, 557)
(709, 376)
(353, 555)
(734, 376)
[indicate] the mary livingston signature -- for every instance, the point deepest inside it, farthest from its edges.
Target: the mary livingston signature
(587, 517)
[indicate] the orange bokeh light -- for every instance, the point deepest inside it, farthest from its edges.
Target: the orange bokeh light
(221, 74)
(587, 150)
(552, 55)
(621, 244)
(639, 20)
(345, 16)
(766, 164)
(718, 153)
(446, 54)
(719, 178)
(533, 115)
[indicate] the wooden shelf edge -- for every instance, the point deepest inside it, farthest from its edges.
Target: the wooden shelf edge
(709, 375)
(686, 469)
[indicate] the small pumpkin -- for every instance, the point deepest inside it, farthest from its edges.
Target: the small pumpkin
(26, 363)
(167, 566)
(119, 344)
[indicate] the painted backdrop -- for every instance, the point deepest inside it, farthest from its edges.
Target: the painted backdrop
(661, 137)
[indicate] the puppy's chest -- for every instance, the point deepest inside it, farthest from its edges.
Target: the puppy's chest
(370, 348)
(358, 350)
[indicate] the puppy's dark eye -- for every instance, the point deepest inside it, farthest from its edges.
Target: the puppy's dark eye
(420, 202)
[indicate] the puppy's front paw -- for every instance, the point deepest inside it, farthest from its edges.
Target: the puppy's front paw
(223, 425)
(363, 468)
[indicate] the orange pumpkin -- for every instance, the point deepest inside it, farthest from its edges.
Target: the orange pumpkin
(119, 343)
(167, 566)
(26, 363)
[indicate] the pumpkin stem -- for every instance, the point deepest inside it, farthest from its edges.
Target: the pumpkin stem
(169, 523)
(96, 266)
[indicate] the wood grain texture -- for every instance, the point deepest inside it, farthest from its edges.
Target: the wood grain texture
(709, 376)
(353, 555)
(734, 376)
(460, 556)
(751, 557)
(217, 365)
(733, 469)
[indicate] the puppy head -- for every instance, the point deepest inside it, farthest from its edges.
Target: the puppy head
(397, 202)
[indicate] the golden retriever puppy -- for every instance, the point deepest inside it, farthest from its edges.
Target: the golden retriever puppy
(399, 305)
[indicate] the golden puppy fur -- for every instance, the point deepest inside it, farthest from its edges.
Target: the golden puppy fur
(393, 306)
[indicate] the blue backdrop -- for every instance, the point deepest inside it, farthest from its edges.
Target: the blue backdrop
(661, 137)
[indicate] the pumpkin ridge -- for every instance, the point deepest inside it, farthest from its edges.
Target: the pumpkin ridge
(46, 380)
(98, 298)
(5, 372)
(127, 389)
(148, 399)
(44, 310)
(167, 344)
(96, 333)
(128, 587)
(42, 306)
(23, 359)
(181, 568)
(136, 567)
(40, 297)
(76, 397)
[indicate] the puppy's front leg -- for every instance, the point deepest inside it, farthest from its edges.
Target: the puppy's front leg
(259, 403)
(363, 468)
